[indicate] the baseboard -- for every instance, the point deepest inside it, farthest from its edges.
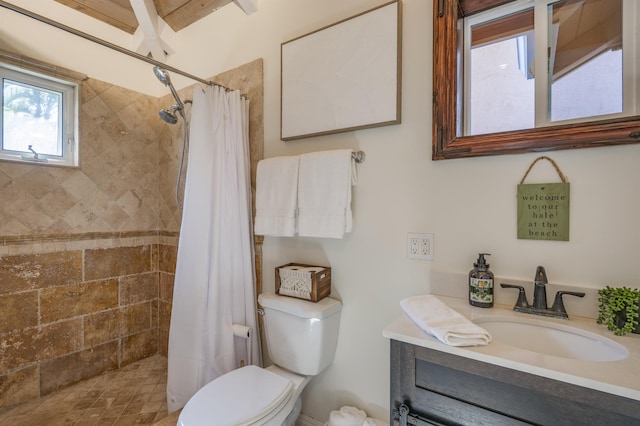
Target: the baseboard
(304, 420)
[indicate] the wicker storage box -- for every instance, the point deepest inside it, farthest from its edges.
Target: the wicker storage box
(306, 282)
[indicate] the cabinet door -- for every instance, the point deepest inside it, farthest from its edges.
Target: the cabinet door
(413, 386)
(454, 390)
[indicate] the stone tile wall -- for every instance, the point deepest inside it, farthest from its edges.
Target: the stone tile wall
(72, 314)
(116, 187)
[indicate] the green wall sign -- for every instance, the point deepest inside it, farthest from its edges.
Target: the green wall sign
(543, 211)
(543, 208)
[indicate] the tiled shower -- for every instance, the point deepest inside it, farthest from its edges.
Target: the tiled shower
(59, 328)
(87, 255)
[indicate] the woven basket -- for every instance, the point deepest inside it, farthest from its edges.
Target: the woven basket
(308, 282)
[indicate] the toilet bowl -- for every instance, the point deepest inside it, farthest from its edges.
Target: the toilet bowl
(247, 396)
(301, 338)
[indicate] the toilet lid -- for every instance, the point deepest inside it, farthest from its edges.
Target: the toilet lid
(240, 397)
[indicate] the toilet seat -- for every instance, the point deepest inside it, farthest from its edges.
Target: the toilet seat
(240, 397)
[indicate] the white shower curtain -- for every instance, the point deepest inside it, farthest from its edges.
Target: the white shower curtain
(214, 280)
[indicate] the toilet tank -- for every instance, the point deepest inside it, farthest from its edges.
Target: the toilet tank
(301, 336)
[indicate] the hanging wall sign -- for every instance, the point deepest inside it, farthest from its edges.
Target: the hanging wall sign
(543, 208)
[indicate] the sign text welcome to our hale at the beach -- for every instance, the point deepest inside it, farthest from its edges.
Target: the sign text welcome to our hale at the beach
(543, 209)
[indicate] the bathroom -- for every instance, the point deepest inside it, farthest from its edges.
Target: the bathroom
(469, 205)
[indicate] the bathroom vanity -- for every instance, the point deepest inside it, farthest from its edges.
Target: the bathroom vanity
(499, 384)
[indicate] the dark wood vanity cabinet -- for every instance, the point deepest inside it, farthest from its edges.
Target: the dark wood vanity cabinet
(443, 389)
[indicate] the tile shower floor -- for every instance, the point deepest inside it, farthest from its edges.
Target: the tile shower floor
(132, 395)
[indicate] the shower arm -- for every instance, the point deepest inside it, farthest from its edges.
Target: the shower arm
(175, 95)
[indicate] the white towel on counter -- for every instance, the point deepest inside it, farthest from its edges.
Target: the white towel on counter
(347, 416)
(277, 196)
(324, 193)
(436, 318)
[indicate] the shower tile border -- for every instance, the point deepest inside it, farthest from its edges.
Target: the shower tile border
(29, 244)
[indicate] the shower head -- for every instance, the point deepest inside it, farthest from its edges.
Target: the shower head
(169, 114)
(162, 75)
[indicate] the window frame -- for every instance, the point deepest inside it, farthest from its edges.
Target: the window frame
(68, 141)
(447, 102)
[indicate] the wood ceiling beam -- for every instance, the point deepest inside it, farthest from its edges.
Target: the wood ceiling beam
(178, 14)
(192, 11)
(106, 11)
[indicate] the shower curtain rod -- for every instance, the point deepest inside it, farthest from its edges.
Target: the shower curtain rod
(104, 43)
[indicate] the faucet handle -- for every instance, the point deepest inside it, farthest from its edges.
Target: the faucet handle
(558, 304)
(522, 296)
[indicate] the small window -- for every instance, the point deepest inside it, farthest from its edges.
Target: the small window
(39, 122)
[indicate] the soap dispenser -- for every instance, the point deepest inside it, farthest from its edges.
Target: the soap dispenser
(481, 283)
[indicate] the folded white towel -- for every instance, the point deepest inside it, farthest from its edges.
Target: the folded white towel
(324, 193)
(277, 196)
(347, 416)
(436, 318)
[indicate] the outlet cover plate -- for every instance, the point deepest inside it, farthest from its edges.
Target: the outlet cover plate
(420, 246)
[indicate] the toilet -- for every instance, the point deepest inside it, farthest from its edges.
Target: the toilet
(301, 338)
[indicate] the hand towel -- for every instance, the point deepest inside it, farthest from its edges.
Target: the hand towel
(442, 322)
(347, 416)
(324, 193)
(277, 196)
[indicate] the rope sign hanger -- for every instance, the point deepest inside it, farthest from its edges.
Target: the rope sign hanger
(555, 165)
(543, 208)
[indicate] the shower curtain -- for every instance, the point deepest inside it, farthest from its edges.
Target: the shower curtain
(214, 280)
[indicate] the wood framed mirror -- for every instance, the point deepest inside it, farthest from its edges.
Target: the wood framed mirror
(449, 138)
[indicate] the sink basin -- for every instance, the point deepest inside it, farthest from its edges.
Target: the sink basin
(549, 338)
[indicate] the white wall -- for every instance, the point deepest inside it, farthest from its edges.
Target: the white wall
(468, 204)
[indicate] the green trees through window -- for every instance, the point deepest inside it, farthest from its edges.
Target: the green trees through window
(31, 119)
(39, 118)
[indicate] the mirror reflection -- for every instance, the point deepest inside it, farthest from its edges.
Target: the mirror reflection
(586, 52)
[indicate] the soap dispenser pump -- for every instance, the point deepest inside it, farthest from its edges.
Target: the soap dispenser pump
(481, 283)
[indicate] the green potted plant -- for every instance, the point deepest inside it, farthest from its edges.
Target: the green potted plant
(618, 309)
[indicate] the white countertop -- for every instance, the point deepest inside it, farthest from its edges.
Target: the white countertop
(616, 377)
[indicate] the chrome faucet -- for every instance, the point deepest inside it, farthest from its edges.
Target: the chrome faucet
(540, 298)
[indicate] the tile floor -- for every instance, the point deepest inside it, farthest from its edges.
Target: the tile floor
(132, 395)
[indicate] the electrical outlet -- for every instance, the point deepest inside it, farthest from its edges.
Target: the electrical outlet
(420, 246)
